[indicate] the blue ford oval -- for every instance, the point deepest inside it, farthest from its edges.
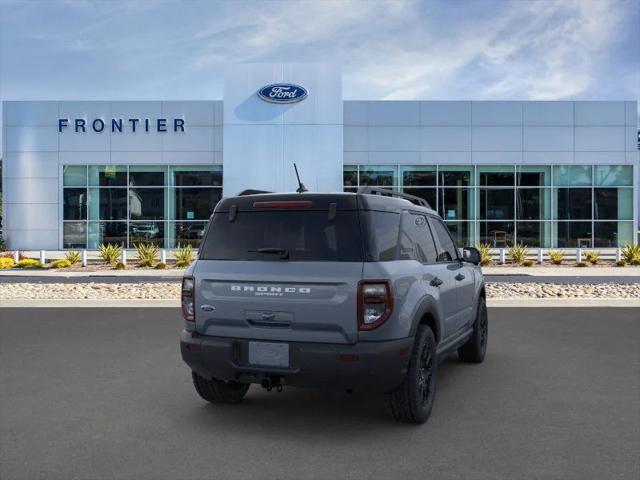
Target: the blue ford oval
(283, 93)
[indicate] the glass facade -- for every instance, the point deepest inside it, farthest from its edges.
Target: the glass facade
(550, 206)
(127, 205)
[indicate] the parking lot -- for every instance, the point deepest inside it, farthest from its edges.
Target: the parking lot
(102, 393)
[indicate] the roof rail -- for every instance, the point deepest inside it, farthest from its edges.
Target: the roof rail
(251, 191)
(393, 193)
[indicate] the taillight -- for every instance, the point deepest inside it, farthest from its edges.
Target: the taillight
(375, 303)
(188, 309)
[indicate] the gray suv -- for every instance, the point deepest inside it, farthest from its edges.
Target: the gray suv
(356, 291)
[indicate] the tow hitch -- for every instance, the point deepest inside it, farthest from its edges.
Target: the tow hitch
(269, 383)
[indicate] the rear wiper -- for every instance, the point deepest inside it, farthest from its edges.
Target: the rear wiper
(283, 252)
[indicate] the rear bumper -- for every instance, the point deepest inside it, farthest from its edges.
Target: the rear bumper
(379, 366)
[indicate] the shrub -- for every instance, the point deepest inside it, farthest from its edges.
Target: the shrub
(556, 257)
(147, 254)
(582, 263)
(109, 252)
(161, 266)
(73, 257)
(592, 257)
(120, 266)
(485, 255)
(527, 263)
(621, 263)
(9, 254)
(518, 253)
(6, 262)
(62, 263)
(29, 263)
(631, 253)
(184, 256)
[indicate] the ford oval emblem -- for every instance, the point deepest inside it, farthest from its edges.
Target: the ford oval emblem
(283, 93)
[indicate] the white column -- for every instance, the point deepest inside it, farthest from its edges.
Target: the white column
(540, 255)
(502, 256)
(16, 256)
(618, 254)
(42, 259)
(123, 256)
(163, 256)
(84, 258)
(579, 255)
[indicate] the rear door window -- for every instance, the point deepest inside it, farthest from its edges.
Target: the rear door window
(300, 235)
(447, 251)
(383, 235)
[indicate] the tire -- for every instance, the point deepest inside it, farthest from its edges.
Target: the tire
(412, 401)
(476, 347)
(217, 391)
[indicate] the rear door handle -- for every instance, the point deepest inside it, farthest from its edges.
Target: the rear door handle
(436, 282)
(459, 277)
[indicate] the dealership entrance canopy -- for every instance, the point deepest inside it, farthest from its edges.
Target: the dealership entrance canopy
(545, 174)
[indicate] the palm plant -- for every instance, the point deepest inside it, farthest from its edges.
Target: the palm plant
(556, 257)
(518, 253)
(485, 253)
(147, 254)
(109, 252)
(184, 256)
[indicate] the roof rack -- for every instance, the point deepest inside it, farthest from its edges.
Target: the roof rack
(392, 193)
(251, 191)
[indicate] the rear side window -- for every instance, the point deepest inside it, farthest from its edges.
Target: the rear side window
(448, 251)
(416, 239)
(382, 236)
(300, 235)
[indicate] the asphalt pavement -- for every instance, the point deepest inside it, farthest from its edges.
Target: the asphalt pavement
(102, 393)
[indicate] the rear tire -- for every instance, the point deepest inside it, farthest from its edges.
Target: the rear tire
(412, 401)
(476, 347)
(217, 391)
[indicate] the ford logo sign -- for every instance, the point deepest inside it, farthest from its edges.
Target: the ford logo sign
(283, 93)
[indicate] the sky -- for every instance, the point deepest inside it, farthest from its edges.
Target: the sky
(401, 50)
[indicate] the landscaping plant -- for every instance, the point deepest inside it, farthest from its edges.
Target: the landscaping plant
(62, 263)
(73, 257)
(147, 254)
(518, 253)
(109, 252)
(528, 263)
(556, 257)
(631, 253)
(582, 263)
(161, 266)
(592, 257)
(485, 255)
(29, 263)
(621, 263)
(6, 262)
(120, 266)
(184, 256)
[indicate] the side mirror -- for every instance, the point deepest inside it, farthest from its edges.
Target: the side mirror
(471, 255)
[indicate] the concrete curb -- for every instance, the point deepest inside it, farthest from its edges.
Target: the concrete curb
(492, 303)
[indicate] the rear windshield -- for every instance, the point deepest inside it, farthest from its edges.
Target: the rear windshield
(284, 236)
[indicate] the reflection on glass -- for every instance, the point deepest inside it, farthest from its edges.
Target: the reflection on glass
(534, 234)
(573, 203)
(186, 233)
(146, 175)
(74, 235)
(455, 204)
(496, 204)
(455, 175)
(496, 176)
(146, 203)
(146, 232)
(197, 176)
(350, 176)
(533, 203)
(418, 176)
(574, 234)
(74, 176)
(460, 233)
(428, 194)
(572, 175)
(497, 234)
(385, 175)
(613, 203)
(74, 204)
(107, 176)
(614, 175)
(534, 176)
(612, 234)
(194, 203)
(107, 204)
(107, 232)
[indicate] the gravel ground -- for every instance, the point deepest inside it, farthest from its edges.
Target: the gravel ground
(171, 290)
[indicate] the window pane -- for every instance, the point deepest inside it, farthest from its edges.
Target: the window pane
(194, 203)
(382, 240)
(455, 175)
(75, 204)
(196, 176)
(416, 242)
(572, 175)
(614, 203)
(151, 175)
(496, 204)
(108, 176)
(573, 203)
(350, 176)
(146, 203)
(533, 203)
(146, 232)
(447, 251)
(455, 204)
(534, 234)
(531, 176)
(74, 176)
(385, 175)
(186, 233)
(107, 204)
(496, 176)
(428, 194)
(497, 234)
(614, 175)
(574, 234)
(74, 235)
(418, 176)
(612, 234)
(460, 231)
(107, 232)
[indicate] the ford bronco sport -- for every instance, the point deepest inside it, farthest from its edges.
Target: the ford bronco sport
(361, 290)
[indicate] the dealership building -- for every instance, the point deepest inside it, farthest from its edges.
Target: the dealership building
(76, 174)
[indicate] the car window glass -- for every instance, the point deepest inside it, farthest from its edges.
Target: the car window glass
(383, 235)
(416, 240)
(447, 251)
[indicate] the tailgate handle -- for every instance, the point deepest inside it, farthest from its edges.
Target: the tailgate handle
(269, 324)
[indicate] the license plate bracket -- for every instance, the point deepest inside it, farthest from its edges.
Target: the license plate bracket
(269, 354)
